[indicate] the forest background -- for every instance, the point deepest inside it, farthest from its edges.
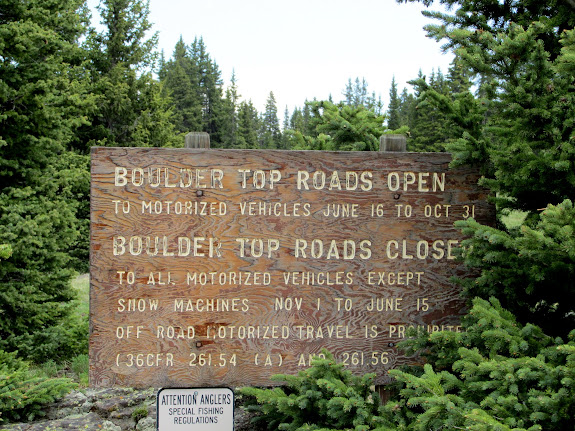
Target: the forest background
(506, 104)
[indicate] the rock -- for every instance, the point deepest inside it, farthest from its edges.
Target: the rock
(147, 424)
(109, 426)
(75, 403)
(90, 421)
(112, 409)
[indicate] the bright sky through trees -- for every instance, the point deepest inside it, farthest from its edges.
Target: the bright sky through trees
(303, 48)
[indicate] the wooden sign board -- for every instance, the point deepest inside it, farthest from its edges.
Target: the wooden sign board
(224, 267)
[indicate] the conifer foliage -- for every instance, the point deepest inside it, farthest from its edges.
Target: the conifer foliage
(495, 374)
(42, 101)
(340, 127)
(531, 269)
(192, 79)
(519, 129)
(325, 397)
(130, 110)
(22, 393)
(502, 372)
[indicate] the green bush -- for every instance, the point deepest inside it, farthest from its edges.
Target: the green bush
(43, 187)
(495, 375)
(23, 393)
(530, 269)
(325, 396)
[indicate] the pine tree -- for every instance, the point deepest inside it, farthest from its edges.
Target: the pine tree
(341, 128)
(531, 270)
(431, 129)
(180, 79)
(296, 120)
(326, 396)
(495, 374)
(229, 121)
(248, 126)
(375, 104)
(210, 91)
(393, 120)
(43, 102)
(356, 94)
(518, 129)
(458, 77)
(131, 110)
(407, 111)
(193, 81)
(23, 393)
(286, 132)
(270, 134)
(502, 372)
(308, 128)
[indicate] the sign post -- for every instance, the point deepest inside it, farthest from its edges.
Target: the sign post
(228, 266)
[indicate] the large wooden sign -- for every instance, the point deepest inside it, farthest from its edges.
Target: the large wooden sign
(224, 267)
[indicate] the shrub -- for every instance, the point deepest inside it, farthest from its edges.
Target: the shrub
(23, 393)
(530, 269)
(497, 374)
(325, 396)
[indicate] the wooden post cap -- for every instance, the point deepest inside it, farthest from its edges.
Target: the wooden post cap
(197, 140)
(396, 143)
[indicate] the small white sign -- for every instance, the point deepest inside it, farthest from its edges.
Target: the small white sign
(206, 409)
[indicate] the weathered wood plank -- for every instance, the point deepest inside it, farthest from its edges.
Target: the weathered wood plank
(234, 266)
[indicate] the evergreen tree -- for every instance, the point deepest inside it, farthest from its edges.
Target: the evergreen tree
(375, 104)
(248, 126)
(458, 77)
(193, 81)
(341, 128)
(180, 79)
(285, 137)
(519, 127)
(475, 17)
(393, 119)
(431, 129)
(296, 123)
(43, 101)
(229, 121)
(130, 109)
(326, 396)
(502, 372)
(23, 393)
(308, 128)
(356, 93)
(407, 111)
(496, 374)
(270, 134)
(209, 92)
(519, 130)
(531, 270)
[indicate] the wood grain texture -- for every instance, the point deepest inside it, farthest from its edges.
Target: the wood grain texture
(158, 318)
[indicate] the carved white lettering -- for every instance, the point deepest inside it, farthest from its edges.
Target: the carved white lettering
(321, 180)
(169, 177)
(325, 249)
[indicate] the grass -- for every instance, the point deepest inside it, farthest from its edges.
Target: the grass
(82, 286)
(77, 367)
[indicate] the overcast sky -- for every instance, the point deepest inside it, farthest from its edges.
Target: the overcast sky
(303, 48)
